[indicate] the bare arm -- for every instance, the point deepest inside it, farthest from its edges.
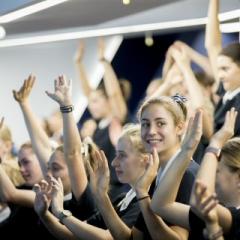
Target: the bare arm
(82, 230)
(38, 136)
(81, 70)
(213, 39)
(99, 182)
(201, 60)
(71, 137)
(111, 84)
(163, 201)
(9, 193)
(194, 89)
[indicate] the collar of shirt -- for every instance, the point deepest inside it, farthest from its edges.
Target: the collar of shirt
(104, 123)
(131, 194)
(230, 95)
(162, 172)
(67, 197)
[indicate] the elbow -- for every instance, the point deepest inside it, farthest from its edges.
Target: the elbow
(154, 207)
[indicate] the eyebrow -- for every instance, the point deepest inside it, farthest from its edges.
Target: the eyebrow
(155, 119)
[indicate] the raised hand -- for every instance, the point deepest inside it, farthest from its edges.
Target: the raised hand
(57, 195)
(62, 93)
(204, 203)
(22, 95)
(144, 182)
(226, 131)
(99, 174)
(193, 133)
(43, 197)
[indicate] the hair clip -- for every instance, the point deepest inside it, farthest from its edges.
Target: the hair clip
(179, 98)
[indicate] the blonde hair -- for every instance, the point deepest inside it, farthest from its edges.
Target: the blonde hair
(231, 154)
(133, 133)
(5, 134)
(177, 109)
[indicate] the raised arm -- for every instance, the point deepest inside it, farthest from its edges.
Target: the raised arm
(9, 193)
(217, 141)
(41, 206)
(206, 205)
(201, 60)
(81, 70)
(213, 37)
(197, 98)
(99, 182)
(82, 230)
(163, 201)
(71, 137)
(40, 141)
(157, 228)
(112, 86)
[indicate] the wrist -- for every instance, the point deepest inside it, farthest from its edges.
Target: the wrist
(66, 108)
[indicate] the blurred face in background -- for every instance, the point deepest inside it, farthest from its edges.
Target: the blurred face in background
(29, 166)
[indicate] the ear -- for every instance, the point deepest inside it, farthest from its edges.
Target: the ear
(180, 128)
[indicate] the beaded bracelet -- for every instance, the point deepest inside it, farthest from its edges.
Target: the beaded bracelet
(141, 198)
(66, 109)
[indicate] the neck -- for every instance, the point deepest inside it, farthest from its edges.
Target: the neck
(165, 156)
(234, 202)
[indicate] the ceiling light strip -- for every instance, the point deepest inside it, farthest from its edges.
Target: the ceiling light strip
(29, 10)
(112, 31)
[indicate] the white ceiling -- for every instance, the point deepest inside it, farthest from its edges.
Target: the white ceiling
(93, 14)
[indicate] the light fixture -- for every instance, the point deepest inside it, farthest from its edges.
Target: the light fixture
(78, 34)
(126, 2)
(149, 39)
(2, 32)
(29, 10)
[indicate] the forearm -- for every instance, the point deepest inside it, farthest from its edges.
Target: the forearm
(213, 39)
(200, 60)
(194, 88)
(83, 79)
(39, 139)
(162, 196)
(204, 175)
(116, 226)
(114, 92)
(73, 155)
(85, 231)
(56, 228)
(9, 193)
(157, 228)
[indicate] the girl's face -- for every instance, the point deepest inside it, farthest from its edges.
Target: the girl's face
(158, 130)
(129, 164)
(98, 104)
(228, 73)
(227, 183)
(58, 169)
(29, 166)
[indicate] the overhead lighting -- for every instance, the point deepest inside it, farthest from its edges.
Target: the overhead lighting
(2, 32)
(149, 39)
(230, 27)
(113, 31)
(126, 2)
(29, 10)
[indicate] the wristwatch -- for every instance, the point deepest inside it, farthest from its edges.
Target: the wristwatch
(215, 151)
(64, 214)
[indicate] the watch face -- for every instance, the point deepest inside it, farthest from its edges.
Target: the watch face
(64, 214)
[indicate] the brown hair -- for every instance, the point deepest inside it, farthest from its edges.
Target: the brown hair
(231, 154)
(177, 109)
(232, 51)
